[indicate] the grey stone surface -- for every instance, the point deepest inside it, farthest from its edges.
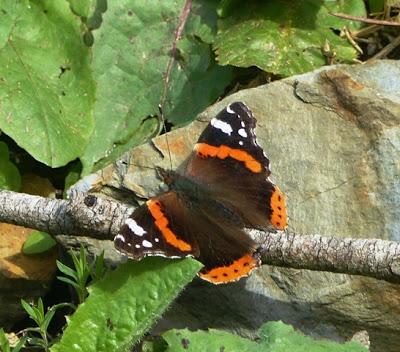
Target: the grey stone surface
(333, 138)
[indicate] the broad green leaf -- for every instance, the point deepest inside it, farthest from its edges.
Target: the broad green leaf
(46, 90)
(125, 304)
(38, 242)
(210, 341)
(285, 37)
(10, 178)
(274, 337)
(280, 337)
(131, 59)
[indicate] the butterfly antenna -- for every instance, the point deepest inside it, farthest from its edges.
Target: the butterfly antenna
(160, 109)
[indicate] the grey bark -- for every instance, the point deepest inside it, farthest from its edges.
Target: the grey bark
(101, 218)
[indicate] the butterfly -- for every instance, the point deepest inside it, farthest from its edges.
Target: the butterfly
(221, 190)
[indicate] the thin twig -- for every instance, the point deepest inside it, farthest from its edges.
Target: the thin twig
(173, 54)
(349, 37)
(365, 20)
(367, 31)
(387, 49)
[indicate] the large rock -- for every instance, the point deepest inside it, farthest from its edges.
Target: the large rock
(333, 138)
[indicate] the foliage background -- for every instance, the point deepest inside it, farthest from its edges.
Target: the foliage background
(81, 82)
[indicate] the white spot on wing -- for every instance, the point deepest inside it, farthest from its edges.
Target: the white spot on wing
(156, 240)
(137, 246)
(134, 227)
(241, 143)
(229, 109)
(242, 132)
(243, 124)
(120, 237)
(221, 125)
(147, 244)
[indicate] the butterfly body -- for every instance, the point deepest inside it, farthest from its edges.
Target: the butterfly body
(198, 196)
(223, 188)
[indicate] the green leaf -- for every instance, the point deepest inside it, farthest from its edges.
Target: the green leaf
(46, 90)
(67, 270)
(125, 304)
(98, 268)
(28, 308)
(4, 344)
(131, 56)
(280, 337)
(69, 282)
(47, 319)
(274, 337)
(285, 38)
(211, 341)
(206, 82)
(38, 242)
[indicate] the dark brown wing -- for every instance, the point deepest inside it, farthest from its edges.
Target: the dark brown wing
(228, 160)
(156, 229)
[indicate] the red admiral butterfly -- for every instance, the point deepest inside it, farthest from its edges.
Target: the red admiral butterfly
(223, 188)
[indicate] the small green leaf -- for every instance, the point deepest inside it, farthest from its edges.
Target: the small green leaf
(40, 310)
(125, 304)
(67, 270)
(68, 281)
(28, 308)
(47, 319)
(98, 268)
(38, 242)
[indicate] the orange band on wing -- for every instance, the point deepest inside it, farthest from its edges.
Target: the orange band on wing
(162, 224)
(239, 268)
(205, 150)
(278, 207)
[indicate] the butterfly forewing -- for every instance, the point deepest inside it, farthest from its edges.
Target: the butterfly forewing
(234, 167)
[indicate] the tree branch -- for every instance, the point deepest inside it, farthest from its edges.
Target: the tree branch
(101, 218)
(83, 214)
